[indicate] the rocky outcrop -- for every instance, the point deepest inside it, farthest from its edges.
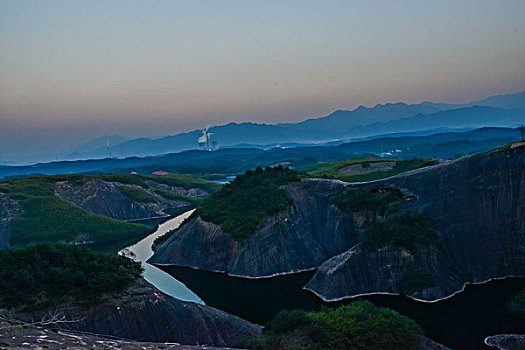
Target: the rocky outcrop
(476, 203)
(358, 271)
(299, 238)
(103, 197)
(146, 314)
(22, 336)
(506, 341)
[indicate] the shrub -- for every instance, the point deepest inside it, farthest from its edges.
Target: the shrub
(288, 320)
(360, 199)
(414, 280)
(407, 230)
(136, 195)
(176, 196)
(44, 275)
(360, 325)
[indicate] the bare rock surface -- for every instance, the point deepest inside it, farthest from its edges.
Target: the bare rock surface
(31, 337)
(477, 205)
(103, 197)
(145, 314)
(506, 341)
(298, 238)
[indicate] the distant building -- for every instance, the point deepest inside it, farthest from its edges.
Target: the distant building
(205, 143)
(160, 172)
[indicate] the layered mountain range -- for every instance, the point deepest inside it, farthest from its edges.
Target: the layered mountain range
(501, 110)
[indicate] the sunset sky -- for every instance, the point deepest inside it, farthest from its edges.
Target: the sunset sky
(82, 69)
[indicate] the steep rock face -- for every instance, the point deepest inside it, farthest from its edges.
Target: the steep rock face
(298, 238)
(476, 203)
(146, 314)
(104, 198)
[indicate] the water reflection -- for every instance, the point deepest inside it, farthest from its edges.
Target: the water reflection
(163, 281)
(461, 322)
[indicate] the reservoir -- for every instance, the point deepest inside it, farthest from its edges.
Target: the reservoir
(461, 322)
(142, 251)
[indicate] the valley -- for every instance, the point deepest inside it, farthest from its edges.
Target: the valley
(406, 235)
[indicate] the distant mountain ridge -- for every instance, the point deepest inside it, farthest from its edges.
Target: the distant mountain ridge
(236, 160)
(501, 110)
(340, 121)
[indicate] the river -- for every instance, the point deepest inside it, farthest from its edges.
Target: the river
(461, 322)
(166, 283)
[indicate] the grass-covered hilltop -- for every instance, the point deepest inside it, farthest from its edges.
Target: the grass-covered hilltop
(92, 209)
(240, 205)
(366, 169)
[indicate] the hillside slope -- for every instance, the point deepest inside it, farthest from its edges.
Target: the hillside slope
(477, 206)
(472, 211)
(298, 238)
(84, 209)
(143, 313)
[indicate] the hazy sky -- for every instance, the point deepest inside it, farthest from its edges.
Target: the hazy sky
(150, 68)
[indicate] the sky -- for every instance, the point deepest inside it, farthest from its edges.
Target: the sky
(74, 70)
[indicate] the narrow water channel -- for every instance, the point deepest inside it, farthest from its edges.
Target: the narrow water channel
(163, 281)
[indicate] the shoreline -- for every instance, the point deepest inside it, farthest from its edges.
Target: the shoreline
(413, 298)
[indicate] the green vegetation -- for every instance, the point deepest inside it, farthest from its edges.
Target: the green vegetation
(382, 201)
(329, 170)
(184, 181)
(136, 195)
(359, 326)
(43, 276)
(415, 280)
(240, 205)
(46, 218)
(516, 305)
(176, 196)
(407, 230)
(168, 234)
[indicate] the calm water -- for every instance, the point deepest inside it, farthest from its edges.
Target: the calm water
(142, 251)
(461, 322)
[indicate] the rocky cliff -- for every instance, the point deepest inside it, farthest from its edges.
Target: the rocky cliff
(145, 314)
(477, 205)
(301, 237)
(103, 197)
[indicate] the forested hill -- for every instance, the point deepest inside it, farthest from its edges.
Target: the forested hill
(425, 232)
(89, 209)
